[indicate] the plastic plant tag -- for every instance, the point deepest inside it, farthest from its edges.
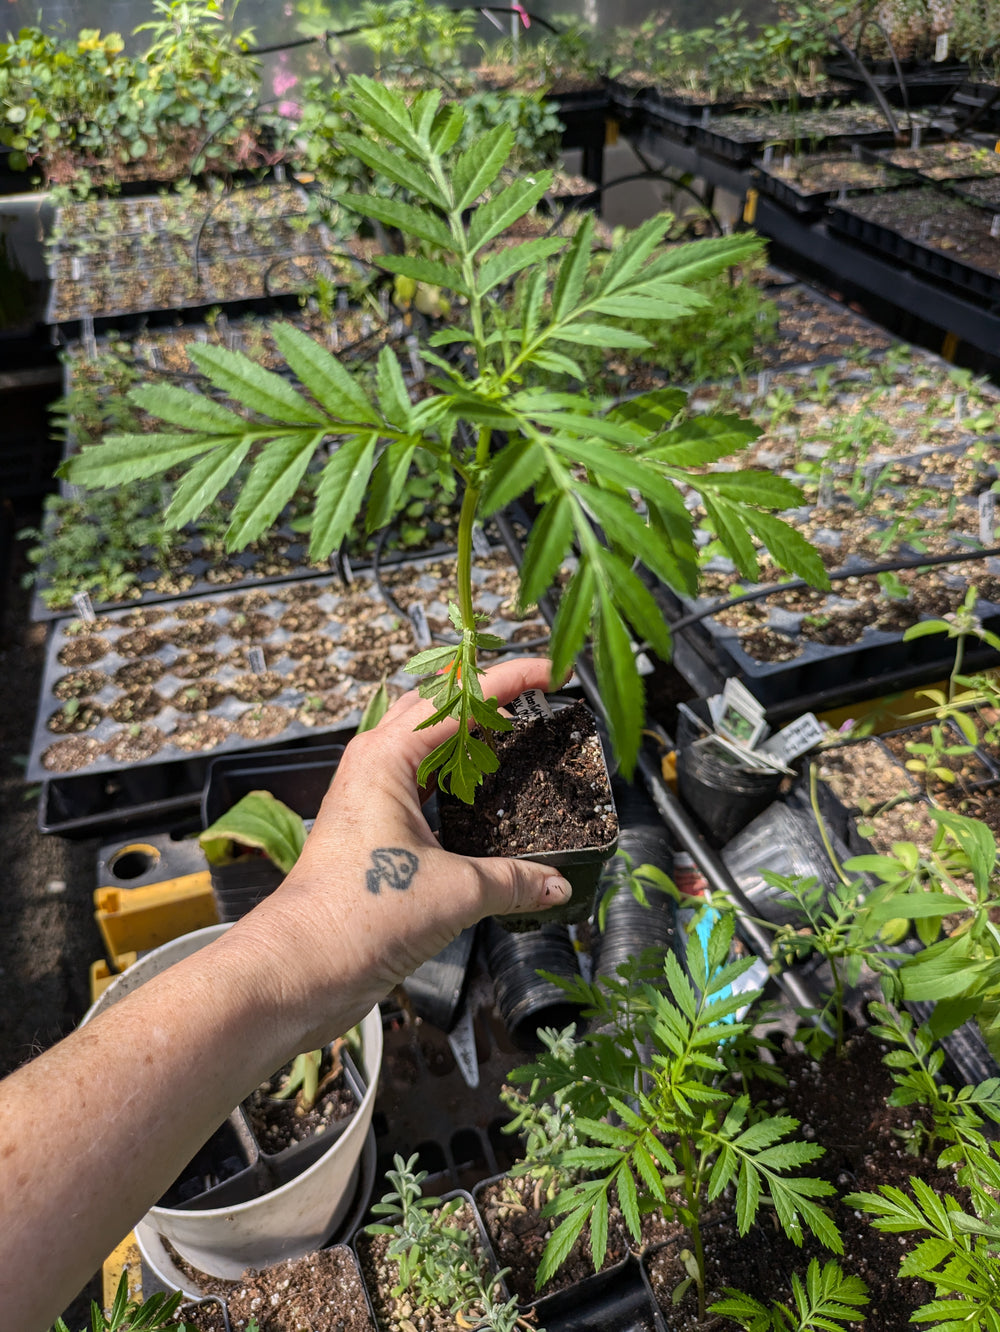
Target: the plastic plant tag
(763, 383)
(529, 706)
(421, 629)
(987, 517)
(995, 226)
(416, 364)
(462, 1039)
(795, 738)
(84, 607)
(480, 541)
(941, 46)
(255, 660)
(742, 717)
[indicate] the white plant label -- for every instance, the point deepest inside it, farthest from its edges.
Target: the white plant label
(987, 517)
(255, 660)
(941, 46)
(416, 364)
(75, 268)
(346, 572)
(795, 738)
(462, 1039)
(480, 541)
(529, 706)
(995, 226)
(84, 607)
(421, 629)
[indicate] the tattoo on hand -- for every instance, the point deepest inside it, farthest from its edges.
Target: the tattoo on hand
(392, 867)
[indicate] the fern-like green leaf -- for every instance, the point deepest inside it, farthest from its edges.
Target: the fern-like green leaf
(340, 493)
(326, 379)
(261, 390)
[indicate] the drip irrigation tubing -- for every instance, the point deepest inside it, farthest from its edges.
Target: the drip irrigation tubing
(837, 576)
(331, 34)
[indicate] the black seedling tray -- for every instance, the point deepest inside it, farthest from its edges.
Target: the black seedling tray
(913, 254)
(812, 202)
(741, 139)
(225, 625)
(927, 82)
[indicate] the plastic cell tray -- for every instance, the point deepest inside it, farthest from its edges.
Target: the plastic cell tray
(340, 669)
(913, 254)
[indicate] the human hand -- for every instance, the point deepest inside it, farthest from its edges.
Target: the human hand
(373, 894)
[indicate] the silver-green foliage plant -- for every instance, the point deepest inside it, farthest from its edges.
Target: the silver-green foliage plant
(657, 1059)
(823, 1303)
(492, 419)
(439, 1262)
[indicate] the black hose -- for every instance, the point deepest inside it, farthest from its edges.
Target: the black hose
(838, 575)
(330, 34)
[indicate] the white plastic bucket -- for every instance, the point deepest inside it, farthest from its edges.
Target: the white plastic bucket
(287, 1222)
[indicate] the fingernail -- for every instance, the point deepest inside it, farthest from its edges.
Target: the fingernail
(557, 890)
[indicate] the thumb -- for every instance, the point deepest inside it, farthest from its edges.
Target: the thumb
(508, 886)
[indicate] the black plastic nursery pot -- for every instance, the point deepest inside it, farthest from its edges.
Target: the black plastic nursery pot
(514, 817)
(298, 778)
(924, 82)
(382, 1305)
(526, 1000)
(719, 791)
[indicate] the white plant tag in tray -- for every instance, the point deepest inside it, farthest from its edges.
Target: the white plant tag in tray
(795, 738)
(742, 718)
(987, 517)
(255, 660)
(421, 629)
(941, 46)
(529, 706)
(84, 607)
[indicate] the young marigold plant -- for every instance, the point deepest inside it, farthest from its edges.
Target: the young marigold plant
(508, 412)
(656, 1058)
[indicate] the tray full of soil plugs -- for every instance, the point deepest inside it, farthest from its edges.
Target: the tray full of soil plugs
(115, 257)
(896, 460)
(232, 671)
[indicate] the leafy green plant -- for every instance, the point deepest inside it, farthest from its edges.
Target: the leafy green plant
(655, 1059)
(582, 459)
(439, 1262)
(546, 1126)
(957, 1254)
(915, 1062)
(826, 1299)
(962, 625)
(152, 1315)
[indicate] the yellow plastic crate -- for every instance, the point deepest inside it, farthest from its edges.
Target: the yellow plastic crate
(133, 920)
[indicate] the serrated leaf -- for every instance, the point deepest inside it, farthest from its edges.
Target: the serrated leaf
(270, 485)
(480, 165)
(394, 398)
(789, 548)
(599, 1231)
(572, 621)
(560, 1243)
(123, 458)
(399, 169)
(573, 271)
(497, 268)
(513, 471)
(326, 379)
(702, 440)
(261, 390)
(627, 259)
(548, 544)
(635, 306)
(387, 482)
(728, 525)
(203, 482)
(638, 605)
(619, 681)
(505, 207)
(383, 109)
(750, 487)
(428, 271)
(557, 364)
(599, 335)
(187, 408)
(407, 218)
(339, 494)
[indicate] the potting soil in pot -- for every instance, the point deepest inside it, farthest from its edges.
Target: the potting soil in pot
(550, 792)
(321, 1292)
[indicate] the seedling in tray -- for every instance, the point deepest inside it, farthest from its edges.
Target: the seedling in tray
(506, 414)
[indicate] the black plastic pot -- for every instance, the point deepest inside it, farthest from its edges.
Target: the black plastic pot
(630, 928)
(616, 1300)
(282, 1166)
(722, 796)
(299, 778)
(232, 1155)
(526, 1001)
(361, 1242)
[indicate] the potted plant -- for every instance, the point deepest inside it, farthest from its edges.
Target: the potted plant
(278, 1222)
(506, 414)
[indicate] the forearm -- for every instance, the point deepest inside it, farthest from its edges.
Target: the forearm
(116, 1111)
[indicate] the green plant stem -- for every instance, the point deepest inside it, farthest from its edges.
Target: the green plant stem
(957, 668)
(821, 826)
(466, 520)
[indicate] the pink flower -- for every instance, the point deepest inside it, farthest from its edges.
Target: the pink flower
(521, 12)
